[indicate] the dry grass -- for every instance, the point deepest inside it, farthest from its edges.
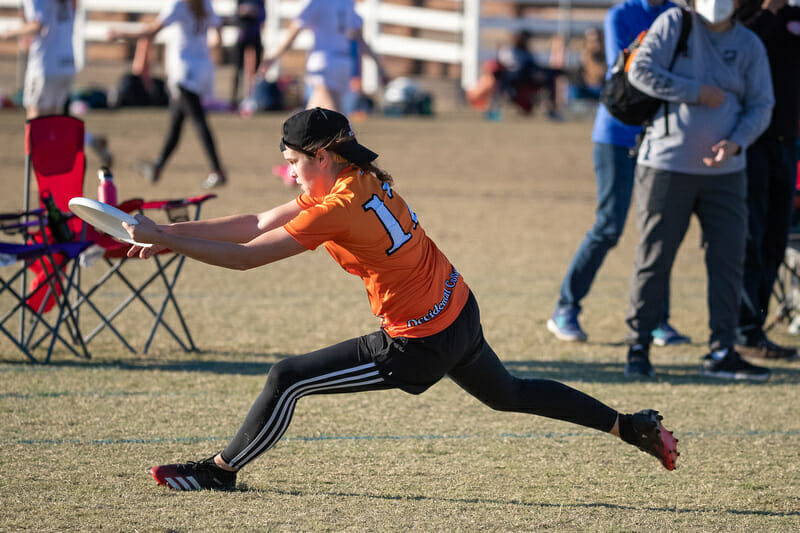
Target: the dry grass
(508, 203)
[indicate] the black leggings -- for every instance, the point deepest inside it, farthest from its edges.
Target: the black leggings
(188, 103)
(351, 366)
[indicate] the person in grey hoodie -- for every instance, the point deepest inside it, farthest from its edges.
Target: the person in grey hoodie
(692, 160)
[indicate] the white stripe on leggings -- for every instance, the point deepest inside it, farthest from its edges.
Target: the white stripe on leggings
(294, 392)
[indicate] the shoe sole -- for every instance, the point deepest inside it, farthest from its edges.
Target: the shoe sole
(553, 328)
(736, 376)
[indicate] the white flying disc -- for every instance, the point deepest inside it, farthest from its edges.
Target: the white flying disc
(105, 218)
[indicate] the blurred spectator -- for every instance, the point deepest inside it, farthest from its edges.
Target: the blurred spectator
(330, 61)
(614, 168)
(250, 17)
(592, 70)
(516, 75)
(771, 174)
(692, 161)
(190, 74)
(51, 70)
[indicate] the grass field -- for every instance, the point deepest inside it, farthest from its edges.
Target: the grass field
(508, 203)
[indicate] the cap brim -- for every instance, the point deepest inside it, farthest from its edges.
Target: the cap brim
(356, 153)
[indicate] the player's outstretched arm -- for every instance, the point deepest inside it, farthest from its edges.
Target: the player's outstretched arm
(266, 248)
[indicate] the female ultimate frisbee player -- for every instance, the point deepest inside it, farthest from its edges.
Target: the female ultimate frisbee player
(430, 323)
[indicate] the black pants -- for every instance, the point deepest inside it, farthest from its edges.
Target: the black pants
(377, 362)
(188, 103)
(771, 176)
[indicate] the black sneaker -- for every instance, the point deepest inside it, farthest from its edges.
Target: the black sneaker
(728, 364)
(194, 476)
(638, 363)
(646, 433)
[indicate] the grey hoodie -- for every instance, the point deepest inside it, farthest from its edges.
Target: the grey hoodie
(733, 60)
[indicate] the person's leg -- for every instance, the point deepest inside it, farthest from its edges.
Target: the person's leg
(489, 381)
(722, 211)
(751, 314)
(237, 72)
(485, 378)
(341, 368)
(664, 202)
(614, 168)
(176, 117)
(779, 217)
(194, 108)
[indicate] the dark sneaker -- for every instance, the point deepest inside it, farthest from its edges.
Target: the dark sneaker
(215, 179)
(647, 434)
(766, 349)
(638, 362)
(148, 170)
(727, 364)
(666, 335)
(564, 325)
(194, 476)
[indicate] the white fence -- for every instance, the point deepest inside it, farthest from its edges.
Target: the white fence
(461, 27)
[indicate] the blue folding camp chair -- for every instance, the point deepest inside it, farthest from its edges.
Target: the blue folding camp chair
(58, 264)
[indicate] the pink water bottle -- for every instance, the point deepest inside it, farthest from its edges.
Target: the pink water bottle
(106, 190)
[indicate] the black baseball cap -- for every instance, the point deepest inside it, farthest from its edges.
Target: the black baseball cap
(307, 128)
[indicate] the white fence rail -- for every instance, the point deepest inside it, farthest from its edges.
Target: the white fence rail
(461, 28)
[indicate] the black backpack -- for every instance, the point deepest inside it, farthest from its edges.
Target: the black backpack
(625, 102)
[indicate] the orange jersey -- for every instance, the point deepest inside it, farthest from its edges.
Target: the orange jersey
(372, 233)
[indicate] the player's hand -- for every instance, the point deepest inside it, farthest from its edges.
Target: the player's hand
(723, 151)
(144, 252)
(710, 96)
(145, 230)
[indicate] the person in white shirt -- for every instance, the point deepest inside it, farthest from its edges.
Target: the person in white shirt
(51, 62)
(190, 76)
(51, 70)
(330, 61)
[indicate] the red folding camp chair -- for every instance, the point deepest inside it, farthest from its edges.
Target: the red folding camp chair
(54, 148)
(53, 287)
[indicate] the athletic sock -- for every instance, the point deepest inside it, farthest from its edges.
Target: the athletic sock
(626, 428)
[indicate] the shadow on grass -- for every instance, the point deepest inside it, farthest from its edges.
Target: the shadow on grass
(491, 501)
(258, 363)
(226, 363)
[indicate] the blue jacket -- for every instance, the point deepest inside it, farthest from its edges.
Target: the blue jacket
(622, 24)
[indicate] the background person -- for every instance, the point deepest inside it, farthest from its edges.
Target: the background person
(50, 71)
(771, 175)
(329, 63)
(693, 161)
(614, 169)
(190, 76)
(430, 322)
(250, 17)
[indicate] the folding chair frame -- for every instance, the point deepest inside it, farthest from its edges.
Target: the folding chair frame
(115, 263)
(53, 285)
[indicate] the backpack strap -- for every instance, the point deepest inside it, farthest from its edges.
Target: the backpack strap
(680, 48)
